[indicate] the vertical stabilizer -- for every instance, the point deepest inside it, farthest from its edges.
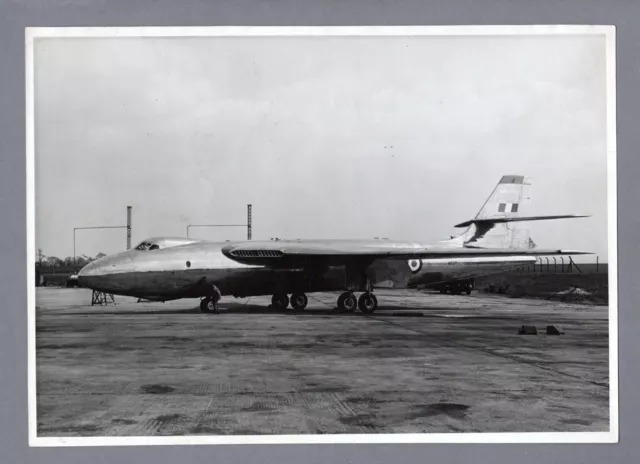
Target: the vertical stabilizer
(507, 200)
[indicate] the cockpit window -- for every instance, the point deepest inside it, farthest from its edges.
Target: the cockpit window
(161, 243)
(144, 246)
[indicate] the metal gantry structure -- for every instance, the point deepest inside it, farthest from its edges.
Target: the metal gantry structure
(247, 225)
(128, 227)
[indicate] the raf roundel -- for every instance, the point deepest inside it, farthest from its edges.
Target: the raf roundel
(415, 265)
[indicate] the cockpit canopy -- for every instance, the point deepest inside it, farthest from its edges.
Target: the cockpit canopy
(159, 243)
(145, 246)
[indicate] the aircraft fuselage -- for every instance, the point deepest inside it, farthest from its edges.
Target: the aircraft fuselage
(188, 271)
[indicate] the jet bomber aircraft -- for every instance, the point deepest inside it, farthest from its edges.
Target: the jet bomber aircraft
(163, 269)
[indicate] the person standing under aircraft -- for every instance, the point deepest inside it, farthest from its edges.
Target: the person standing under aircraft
(216, 297)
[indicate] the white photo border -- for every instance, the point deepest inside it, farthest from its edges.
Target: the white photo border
(608, 31)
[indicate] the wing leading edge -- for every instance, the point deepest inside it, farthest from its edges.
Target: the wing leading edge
(296, 253)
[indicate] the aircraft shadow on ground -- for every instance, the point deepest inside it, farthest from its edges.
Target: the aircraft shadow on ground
(382, 311)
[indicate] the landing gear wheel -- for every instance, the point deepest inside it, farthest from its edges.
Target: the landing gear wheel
(367, 303)
(280, 301)
(206, 305)
(347, 302)
(299, 301)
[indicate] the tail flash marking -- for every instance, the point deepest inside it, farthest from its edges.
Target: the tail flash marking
(508, 207)
(506, 199)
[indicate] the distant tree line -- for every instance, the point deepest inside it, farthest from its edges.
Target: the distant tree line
(54, 262)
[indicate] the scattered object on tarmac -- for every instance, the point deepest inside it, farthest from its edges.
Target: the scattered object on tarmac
(553, 330)
(156, 389)
(102, 298)
(528, 330)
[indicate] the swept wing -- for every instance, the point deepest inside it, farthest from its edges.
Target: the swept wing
(296, 253)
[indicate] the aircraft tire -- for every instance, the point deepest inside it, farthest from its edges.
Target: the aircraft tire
(299, 301)
(367, 303)
(347, 302)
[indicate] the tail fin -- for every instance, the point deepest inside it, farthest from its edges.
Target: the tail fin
(507, 198)
(497, 223)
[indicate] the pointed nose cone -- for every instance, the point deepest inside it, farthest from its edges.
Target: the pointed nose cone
(91, 275)
(85, 274)
(87, 270)
(107, 274)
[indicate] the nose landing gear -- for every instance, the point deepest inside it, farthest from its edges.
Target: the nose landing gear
(208, 305)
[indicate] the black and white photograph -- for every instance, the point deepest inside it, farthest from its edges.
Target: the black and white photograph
(321, 235)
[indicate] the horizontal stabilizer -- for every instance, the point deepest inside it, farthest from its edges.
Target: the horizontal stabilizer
(499, 220)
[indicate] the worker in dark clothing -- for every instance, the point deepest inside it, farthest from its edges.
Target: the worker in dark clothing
(215, 298)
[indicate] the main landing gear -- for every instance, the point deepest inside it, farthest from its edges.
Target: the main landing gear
(347, 302)
(356, 279)
(299, 301)
(367, 303)
(281, 301)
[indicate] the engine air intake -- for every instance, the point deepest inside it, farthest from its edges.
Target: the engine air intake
(257, 254)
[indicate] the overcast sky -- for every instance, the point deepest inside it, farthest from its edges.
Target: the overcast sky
(327, 137)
